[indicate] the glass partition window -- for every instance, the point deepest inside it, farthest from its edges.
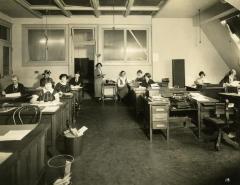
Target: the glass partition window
(41, 45)
(113, 45)
(137, 45)
(125, 45)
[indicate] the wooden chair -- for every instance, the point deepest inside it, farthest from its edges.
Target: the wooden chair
(222, 118)
(29, 109)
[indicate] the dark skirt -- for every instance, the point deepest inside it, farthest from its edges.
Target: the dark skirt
(123, 91)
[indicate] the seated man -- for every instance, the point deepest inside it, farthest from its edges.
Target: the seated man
(48, 94)
(15, 87)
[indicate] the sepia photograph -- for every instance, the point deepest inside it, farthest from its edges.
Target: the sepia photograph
(119, 92)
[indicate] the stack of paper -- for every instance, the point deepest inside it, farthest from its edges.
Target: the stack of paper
(13, 95)
(50, 109)
(155, 86)
(198, 97)
(73, 132)
(14, 135)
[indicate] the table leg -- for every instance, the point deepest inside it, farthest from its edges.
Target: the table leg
(199, 120)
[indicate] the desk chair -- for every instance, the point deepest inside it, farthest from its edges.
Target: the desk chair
(29, 109)
(222, 118)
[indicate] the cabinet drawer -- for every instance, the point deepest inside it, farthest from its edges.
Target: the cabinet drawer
(163, 116)
(157, 109)
(160, 124)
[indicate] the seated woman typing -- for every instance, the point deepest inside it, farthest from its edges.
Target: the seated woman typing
(75, 81)
(63, 86)
(47, 94)
(147, 80)
(15, 87)
(122, 85)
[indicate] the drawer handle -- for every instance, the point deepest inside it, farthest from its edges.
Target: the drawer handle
(160, 125)
(160, 110)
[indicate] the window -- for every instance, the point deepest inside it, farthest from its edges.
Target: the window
(4, 33)
(5, 48)
(44, 46)
(128, 45)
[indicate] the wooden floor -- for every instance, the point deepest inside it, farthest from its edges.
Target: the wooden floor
(117, 152)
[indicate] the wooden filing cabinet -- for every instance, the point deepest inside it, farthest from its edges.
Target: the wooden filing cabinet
(157, 114)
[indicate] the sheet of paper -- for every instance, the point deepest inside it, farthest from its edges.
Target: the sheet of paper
(50, 109)
(47, 104)
(4, 156)
(13, 95)
(14, 135)
(82, 130)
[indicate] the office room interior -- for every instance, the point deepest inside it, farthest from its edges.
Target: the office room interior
(127, 92)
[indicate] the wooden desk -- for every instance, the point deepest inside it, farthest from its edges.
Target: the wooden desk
(69, 100)
(157, 116)
(26, 164)
(138, 100)
(204, 107)
(56, 120)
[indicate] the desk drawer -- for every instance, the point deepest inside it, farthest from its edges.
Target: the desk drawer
(157, 109)
(162, 116)
(160, 125)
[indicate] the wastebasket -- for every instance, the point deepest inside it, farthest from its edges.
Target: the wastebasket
(73, 145)
(59, 167)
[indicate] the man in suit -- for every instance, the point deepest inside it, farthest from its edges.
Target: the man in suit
(15, 87)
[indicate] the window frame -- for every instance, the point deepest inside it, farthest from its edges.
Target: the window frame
(125, 28)
(25, 57)
(6, 43)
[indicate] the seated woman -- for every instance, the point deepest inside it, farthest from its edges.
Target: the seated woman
(147, 80)
(200, 80)
(139, 78)
(47, 94)
(230, 77)
(15, 87)
(63, 86)
(46, 76)
(76, 81)
(122, 85)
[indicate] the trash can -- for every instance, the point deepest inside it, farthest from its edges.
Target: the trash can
(73, 145)
(59, 167)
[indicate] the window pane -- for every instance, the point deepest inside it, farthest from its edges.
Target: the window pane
(82, 35)
(36, 45)
(4, 33)
(113, 45)
(136, 45)
(56, 45)
(6, 61)
(55, 48)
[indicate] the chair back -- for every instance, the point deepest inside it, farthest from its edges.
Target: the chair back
(33, 111)
(224, 110)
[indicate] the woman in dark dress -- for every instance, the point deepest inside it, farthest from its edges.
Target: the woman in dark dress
(230, 77)
(76, 80)
(47, 94)
(63, 86)
(46, 77)
(140, 77)
(147, 80)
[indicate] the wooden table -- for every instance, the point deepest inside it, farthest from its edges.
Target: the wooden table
(69, 100)
(138, 94)
(56, 119)
(26, 163)
(203, 107)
